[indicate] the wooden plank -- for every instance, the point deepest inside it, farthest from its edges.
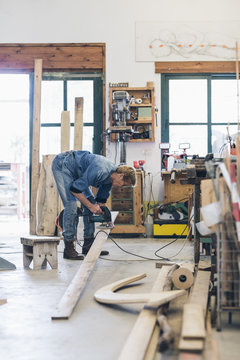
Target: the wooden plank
(55, 56)
(198, 297)
(65, 131)
(191, 344)
(77, 285)
(78, 123)
(31, 240)
(199, 294)
(176, 67)
(193, 329)
(35, 172)
(152, 346)
(47, 199)
(65, 145)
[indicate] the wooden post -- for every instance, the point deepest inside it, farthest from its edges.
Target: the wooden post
(65, 131)
(35, 172)
(78, 123)
(65, 143)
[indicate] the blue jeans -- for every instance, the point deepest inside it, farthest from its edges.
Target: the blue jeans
(63, 170)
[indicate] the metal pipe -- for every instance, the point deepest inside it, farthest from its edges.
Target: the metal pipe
(122, 146)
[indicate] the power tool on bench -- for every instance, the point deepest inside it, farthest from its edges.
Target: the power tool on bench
(105, 218)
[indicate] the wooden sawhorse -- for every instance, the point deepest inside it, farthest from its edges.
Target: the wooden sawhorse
(40, 249)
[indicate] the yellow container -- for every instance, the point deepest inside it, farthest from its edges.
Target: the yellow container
(165, 229)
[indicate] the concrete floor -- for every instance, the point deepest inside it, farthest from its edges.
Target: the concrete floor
(94, 331)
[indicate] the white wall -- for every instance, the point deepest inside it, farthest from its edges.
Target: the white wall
(111, 22)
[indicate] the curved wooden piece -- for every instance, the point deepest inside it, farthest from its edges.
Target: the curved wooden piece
(107, 295)
(121, 283)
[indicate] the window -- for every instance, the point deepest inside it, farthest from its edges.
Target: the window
(14, 146)
(200, 110)
(57, 94)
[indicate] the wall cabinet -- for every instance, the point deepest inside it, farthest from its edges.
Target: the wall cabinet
(142, 112)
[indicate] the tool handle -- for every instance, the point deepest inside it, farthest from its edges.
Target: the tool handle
(173, 177)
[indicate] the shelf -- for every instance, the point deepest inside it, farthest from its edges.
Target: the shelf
(141, 105)
(141, 140)
(136, 122)
(144, 112)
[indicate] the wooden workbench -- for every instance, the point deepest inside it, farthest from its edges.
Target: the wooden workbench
(175, 192)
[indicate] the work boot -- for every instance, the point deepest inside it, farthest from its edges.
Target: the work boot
(87, 245)
(70, 252)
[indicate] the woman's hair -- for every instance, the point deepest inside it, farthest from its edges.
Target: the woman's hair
(129, 174)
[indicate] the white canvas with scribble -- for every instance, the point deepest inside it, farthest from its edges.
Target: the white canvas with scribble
(203, 41)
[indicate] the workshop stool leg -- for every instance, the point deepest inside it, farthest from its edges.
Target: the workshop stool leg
(27, 255)
(38, 256)
(43, 253)
(52, 255)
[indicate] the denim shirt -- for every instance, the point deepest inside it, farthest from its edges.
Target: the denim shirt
(92, 170)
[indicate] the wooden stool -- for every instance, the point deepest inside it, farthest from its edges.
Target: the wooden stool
(40, 249)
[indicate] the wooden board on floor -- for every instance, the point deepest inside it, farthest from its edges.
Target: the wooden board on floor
(199, 294)
(193, 328)
(199, 298)
(77, 285)
(35, 171)
(191, 345)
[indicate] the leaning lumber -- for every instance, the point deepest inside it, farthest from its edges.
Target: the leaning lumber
(35, 142)
(47, 199)
(77, 285)
(78, 123)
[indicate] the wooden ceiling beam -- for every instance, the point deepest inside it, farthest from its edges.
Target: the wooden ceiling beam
(84, 57)
(193, 67)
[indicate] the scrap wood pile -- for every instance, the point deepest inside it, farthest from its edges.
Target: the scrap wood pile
(152, 330)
